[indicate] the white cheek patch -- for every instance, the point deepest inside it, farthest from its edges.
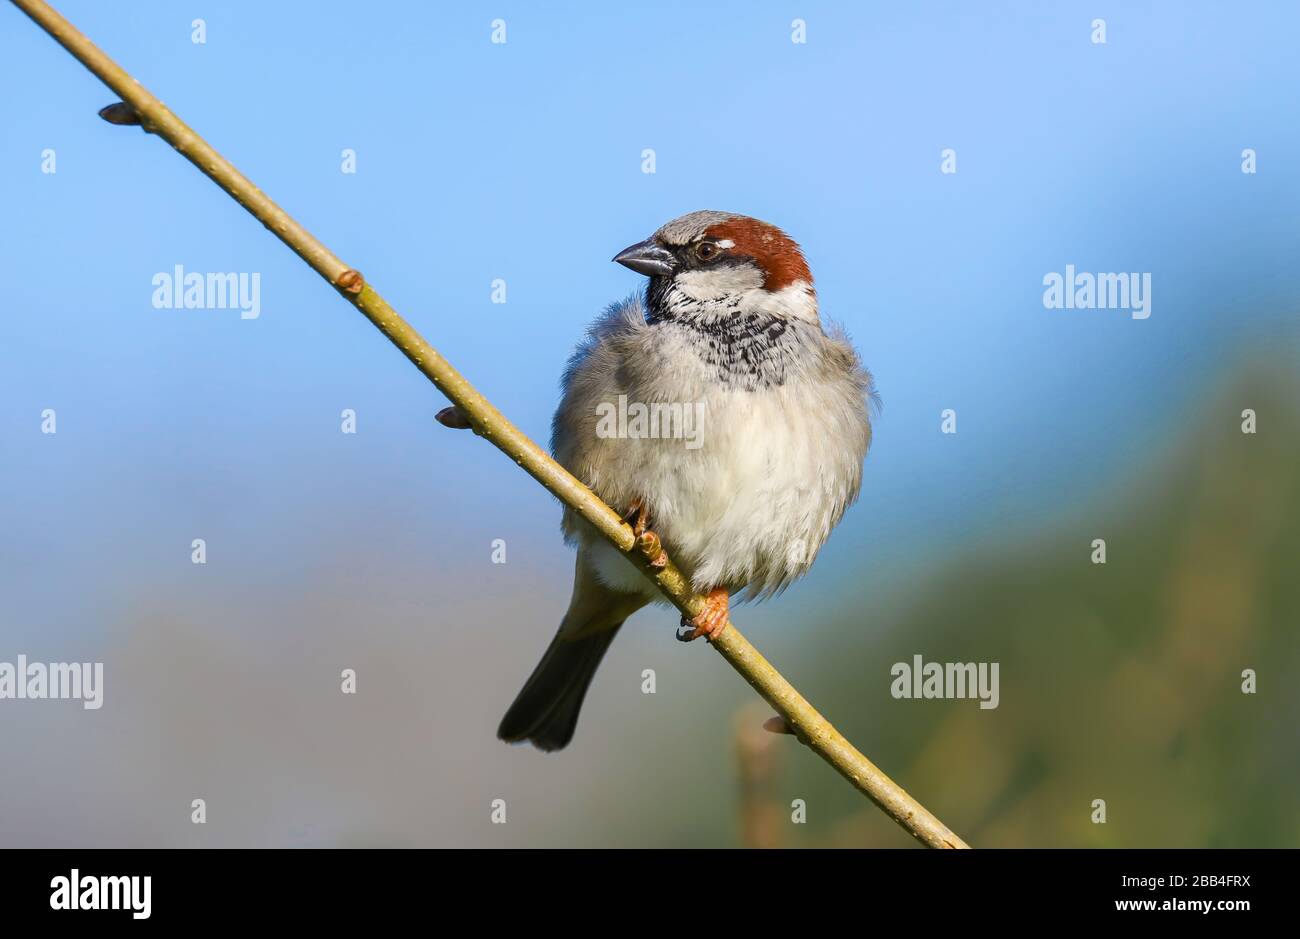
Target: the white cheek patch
(796, 301)
(716, 283)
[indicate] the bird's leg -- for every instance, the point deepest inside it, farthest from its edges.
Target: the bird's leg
(639, 518)
(711, 620)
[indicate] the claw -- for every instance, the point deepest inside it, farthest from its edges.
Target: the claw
(711, 620)
(648, 543)
(638, 516)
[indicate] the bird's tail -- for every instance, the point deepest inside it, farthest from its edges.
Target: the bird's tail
(546, 710)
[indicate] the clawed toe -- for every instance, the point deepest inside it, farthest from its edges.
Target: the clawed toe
(710, 621)
(638, 516)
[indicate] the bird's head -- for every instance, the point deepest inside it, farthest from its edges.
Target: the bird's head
(711, 266)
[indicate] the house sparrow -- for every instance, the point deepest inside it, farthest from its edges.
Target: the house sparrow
(727, 332)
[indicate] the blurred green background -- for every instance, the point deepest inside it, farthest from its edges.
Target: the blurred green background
(1121, 681)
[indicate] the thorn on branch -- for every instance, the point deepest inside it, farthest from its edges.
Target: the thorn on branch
(122, 114)
(352, 282)
(454, 418)
(777, 725)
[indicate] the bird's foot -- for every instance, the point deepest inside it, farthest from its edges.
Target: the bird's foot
(711, 620)
(639, 518)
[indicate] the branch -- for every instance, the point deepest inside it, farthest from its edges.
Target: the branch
(138, 106)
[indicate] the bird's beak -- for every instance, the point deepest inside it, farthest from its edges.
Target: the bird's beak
(648, 257)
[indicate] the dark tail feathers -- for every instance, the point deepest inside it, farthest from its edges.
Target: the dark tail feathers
(546, 710)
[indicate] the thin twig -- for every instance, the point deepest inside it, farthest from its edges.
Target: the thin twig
(807, 724)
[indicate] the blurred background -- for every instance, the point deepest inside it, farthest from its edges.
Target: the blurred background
(522, 161)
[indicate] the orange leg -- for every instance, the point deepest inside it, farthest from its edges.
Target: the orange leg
(711, 620)
(639, 518)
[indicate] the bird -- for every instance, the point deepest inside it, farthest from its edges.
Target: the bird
(726, 336)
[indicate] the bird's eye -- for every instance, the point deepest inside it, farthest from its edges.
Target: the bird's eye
(706, 250)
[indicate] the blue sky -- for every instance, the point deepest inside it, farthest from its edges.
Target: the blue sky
(523, 161)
